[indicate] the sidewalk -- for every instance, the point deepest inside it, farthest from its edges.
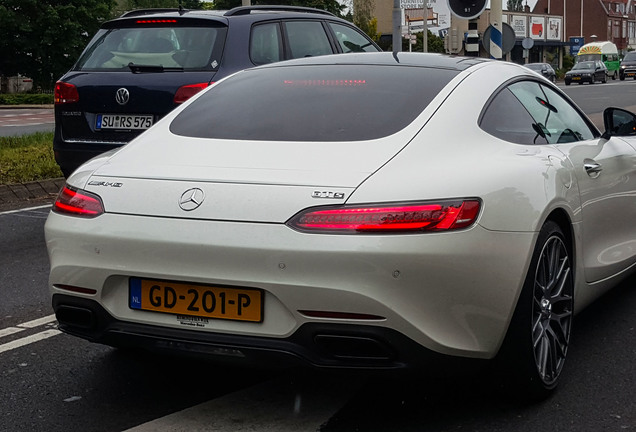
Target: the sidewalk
(29, 194)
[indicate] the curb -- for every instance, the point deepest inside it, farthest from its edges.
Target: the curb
(35, 190)
(28, 106)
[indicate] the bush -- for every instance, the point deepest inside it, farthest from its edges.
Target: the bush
(26, 99)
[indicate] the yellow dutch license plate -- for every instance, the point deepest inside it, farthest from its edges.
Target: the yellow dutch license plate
(576, 78)
(239, 304)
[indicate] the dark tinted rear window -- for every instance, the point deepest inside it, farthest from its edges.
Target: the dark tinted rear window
(313, 103)
(187, 48)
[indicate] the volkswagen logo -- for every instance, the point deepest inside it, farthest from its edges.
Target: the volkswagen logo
(191, 199)
(122, 96)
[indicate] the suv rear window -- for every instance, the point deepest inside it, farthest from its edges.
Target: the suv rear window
(182, 48)
(312, 103)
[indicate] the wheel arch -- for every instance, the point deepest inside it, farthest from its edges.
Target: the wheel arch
(561, 217)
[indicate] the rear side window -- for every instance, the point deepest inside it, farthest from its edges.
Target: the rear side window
(266, 45)
(307, 39)
(187, 48)
(351, 40)
(312, 103)
(527, 112)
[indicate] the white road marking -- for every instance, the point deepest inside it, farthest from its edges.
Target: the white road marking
(9, 331)
(38, 322)
(25, 209)
(273, 406)
(28, 340)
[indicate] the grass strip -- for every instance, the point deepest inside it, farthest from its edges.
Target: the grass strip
(27, 158)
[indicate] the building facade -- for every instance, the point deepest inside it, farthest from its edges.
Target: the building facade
(595, 20)
(556, 27)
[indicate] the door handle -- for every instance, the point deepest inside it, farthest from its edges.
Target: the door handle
(592, 168)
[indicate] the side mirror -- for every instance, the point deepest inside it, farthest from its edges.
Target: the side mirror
(618, 122)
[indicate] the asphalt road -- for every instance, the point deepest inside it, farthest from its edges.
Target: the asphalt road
(15, 122)
(55, 382)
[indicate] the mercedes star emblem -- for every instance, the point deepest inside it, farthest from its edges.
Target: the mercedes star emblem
(191, 199)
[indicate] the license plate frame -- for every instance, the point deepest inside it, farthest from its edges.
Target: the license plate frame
(124, 121)
(192, 299)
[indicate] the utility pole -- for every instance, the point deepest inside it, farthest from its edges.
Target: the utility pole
(496, 35)
(397, 26)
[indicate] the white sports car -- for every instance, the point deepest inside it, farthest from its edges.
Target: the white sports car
(366, 210)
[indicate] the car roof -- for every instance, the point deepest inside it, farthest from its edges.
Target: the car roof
(258, 12)
(430, 60)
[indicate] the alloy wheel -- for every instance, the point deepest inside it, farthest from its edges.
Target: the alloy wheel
(552, 309)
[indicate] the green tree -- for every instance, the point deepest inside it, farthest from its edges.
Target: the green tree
(362, 16)
(43, 38)
(434, 44)
(332, 6)
(127, 5)
(515, 5)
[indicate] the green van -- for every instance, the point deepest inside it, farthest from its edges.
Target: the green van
(604, 51)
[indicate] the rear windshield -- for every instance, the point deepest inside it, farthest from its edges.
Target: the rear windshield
(313, 103)
(186, 48)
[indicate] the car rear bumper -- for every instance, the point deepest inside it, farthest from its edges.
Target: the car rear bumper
(450, 293)
(315, 344)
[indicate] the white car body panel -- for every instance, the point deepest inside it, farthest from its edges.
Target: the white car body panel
(453, 292)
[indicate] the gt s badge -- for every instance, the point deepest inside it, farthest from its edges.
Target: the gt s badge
(328, 194)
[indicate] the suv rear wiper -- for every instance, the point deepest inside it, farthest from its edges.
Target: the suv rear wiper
(137, 68)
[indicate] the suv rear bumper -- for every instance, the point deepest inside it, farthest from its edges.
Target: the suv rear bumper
(69, 155)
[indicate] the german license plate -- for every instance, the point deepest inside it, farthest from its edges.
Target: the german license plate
(239, 304)
(117, 121)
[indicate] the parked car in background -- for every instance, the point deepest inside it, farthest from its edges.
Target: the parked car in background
(603, 51)
(140, 66)
(544, 69)
(587, 71)
(321, 210)
(628, 66)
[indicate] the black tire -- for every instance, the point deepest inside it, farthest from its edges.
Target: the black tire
(593, 80)
(535, 348)
(567, 83)
(604, 79)
(614, 76)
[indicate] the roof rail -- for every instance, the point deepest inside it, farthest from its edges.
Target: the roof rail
(246, 10)
(142, 12)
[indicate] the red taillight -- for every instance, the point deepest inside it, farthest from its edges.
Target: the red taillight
(78, 203)
(440, 216)
(65, 93)
(187, 91)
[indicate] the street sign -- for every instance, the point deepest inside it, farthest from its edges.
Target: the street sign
(527, 43)
(467, 9)
(507, 35)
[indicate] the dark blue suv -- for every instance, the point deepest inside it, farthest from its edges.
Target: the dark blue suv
(141, 65)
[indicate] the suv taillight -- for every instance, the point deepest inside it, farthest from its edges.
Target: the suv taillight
(65, 93)
(187, 91)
